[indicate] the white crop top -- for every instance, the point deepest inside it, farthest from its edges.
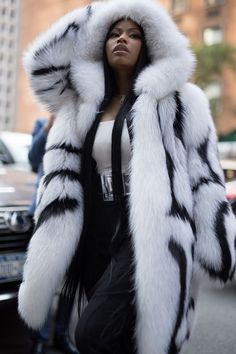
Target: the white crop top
(102, 147)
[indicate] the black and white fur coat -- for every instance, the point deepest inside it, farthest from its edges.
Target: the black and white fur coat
(183, 229)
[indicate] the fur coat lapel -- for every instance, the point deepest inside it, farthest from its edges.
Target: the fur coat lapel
(182, 227)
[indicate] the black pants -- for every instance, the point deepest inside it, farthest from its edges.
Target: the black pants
(107, 323)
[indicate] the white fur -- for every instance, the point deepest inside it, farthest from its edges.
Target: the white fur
(153, 228)
(44, 270)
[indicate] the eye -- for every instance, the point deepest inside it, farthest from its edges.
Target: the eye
(113, 35)
(135, 35)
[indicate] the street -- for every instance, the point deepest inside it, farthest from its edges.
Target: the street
(215, 331)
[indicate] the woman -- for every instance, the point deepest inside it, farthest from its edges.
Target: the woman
(137, 223)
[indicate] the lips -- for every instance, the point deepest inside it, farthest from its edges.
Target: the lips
(120, 48)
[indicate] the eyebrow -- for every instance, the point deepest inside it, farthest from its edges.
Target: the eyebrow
(129, 29)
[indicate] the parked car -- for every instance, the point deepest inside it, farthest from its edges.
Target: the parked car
(227, 149)
(231, 193)
(229, 168)
(14, 149)
(16, 188)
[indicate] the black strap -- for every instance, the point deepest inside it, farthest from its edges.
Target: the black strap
(87, 161)
(117, 179)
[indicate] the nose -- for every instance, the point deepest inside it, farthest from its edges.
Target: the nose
(122, 38)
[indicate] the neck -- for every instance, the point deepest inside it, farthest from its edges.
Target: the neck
(123, 79)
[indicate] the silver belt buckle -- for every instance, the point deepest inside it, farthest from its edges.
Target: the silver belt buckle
(107, 189)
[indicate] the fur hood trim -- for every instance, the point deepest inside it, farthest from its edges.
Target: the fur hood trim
(172, 62)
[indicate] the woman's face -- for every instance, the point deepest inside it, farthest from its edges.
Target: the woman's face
(123, 45)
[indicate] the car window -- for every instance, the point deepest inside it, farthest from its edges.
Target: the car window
(5, 156)
(16, 146)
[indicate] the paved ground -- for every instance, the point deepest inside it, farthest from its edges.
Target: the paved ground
(215, 331)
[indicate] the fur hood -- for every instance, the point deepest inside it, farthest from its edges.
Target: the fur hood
(75, 45)
(181, 223)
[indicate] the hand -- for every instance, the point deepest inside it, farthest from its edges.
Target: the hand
(49, 124)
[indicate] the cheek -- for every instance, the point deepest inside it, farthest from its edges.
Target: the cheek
(108, 50)
(137, 49)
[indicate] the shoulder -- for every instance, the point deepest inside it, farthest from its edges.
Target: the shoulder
(198, 121)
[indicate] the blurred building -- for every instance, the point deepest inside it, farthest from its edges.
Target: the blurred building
(9, 38)
(210, 22)
(36, 16)
(203, 21)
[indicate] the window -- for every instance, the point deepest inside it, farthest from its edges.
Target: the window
(7, 120)
(9, 74)
(214, 92)
(11, 43)
(212, 35)
(213, 11)
(179, 6)
(9, 24)
(213, 2)
(12, 13)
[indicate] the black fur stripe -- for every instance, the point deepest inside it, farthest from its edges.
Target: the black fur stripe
(50, 70)
(180, 211)
(202, 151)
(178, 254)
(40, 91)
(179, 119)
(200, 183)
(66, 173)
(193, 251)
(89, 11)
(220, 233)
(56, 208)
(67, 147)
(70, 84)
(170, 168)
(177, 210)
(191, 305)
(72, 26)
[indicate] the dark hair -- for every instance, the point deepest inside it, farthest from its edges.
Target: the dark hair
(143, 61)
(74, 277)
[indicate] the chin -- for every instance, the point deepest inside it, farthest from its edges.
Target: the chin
(121, 64)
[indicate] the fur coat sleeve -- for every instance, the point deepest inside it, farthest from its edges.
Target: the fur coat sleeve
(215, 222)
